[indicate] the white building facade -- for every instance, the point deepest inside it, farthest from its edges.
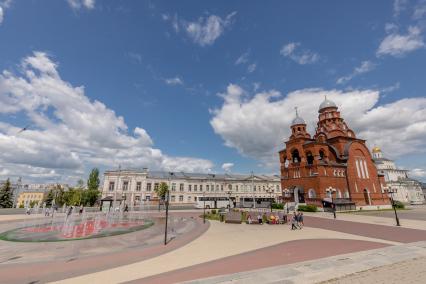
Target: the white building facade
(407, 190)
(136, 186)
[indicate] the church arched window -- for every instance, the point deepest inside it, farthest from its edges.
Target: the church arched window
(295, 156)
(310, 158)
(322, 155)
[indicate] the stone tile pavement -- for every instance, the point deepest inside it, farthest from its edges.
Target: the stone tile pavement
(359, 266)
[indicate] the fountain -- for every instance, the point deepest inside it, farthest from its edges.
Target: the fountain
(75, 226)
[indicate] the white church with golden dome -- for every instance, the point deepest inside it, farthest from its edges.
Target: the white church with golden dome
(409, 191)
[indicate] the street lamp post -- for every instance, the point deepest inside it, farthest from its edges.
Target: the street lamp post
(204, 207)
(229, 199)
(392, 191)
(167, 197)
(332, 204)
(286, 193)
(118, 185)
(167, 217)
(252, 188)
(269, 190)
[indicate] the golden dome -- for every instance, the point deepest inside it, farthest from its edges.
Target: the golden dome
(376, 149)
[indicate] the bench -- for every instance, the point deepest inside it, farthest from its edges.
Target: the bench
(233, 217)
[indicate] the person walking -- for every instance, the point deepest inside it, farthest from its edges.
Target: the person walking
(259, 218)
(294, 221)
(301, 224)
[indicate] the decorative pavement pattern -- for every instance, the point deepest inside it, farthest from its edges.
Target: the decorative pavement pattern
(217, 253)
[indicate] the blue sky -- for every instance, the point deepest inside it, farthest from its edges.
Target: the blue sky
(209, 83)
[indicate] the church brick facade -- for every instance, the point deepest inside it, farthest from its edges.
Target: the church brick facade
(332, 168)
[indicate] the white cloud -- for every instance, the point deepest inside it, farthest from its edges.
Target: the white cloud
(257, 126)
(227, 166)
(420, 10)
(397, 45)
(165, 17)
(174, 81)
(304, 56)
(4, 4)
(136, 57)
(391, 28)
(78, 4)
(206, 30)
(418, 173)
(242, 59)
(251, 68)
(366, 66)
(68, 132)
(399, 6)
(392, 88)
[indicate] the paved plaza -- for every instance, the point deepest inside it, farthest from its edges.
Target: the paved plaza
(347, 249)
(414, 212)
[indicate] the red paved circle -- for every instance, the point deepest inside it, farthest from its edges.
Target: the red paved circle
(62, 269)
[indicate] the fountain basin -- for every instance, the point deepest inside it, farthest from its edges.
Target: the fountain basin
(76, 230)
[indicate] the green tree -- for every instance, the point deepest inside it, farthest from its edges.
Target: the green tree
(33, 203)
(57, 194)
(162, 190)
(6, 195)
(91, 195)
(48, 199)
(80, 184)
(93, 181)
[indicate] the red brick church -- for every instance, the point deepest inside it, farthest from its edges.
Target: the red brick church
(332, 167)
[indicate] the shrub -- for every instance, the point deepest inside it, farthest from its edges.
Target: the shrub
(277, 206)
(214, 211)
(307, 208)
(399, 205)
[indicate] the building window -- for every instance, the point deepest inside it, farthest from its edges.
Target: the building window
(148, 198)
(138, 186)
(201, 187)
(156, 185)
(195, 187)
(195, 198)
(357, 168)
(148, 186)
(362, 168)
(230, 186)
(180, 198)
(125, 185)
(189, 198)
(173, 198)
(181, 187)
(173, 187)
(366, 169)
(137, 198)
(221, 187)
(217, 187)
(111, 186)
(207, 187)
(189, 187)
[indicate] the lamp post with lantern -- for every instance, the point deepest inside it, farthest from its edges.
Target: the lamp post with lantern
(391, 191)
